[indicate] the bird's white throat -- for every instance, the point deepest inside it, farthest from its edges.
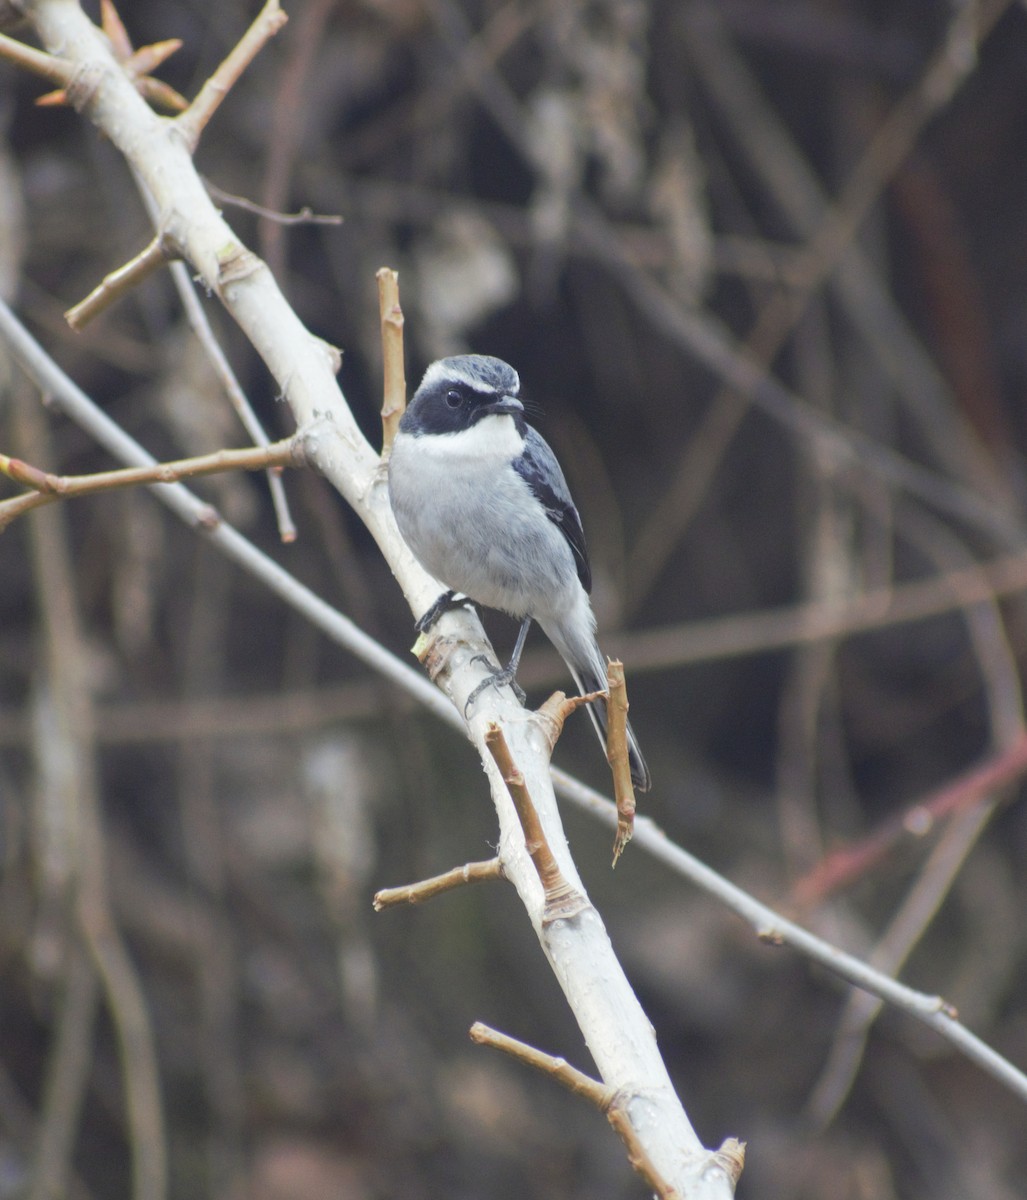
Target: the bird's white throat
(492, 439)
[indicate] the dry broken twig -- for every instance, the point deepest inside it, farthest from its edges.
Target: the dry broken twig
(617, 754)
(428, 889)
(394, 399)
(577, 1082)
(119, 282)
(561, 899)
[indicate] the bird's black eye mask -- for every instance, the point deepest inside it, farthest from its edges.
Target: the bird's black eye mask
(451, 406)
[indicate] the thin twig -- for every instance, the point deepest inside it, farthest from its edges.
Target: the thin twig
(194, 120)
(120, 282)
(428, 889)
(847, 864)
(305, 216)
(37, 61)
(47, 487)
(201, 327)
(394, 397)
(904, 931)
(617, 755)
(561, 898)
(575, 1081)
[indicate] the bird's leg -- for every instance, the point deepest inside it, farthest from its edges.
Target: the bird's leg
(505, 675)
(445, 603)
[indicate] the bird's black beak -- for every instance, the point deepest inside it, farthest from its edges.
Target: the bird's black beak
(508, 406)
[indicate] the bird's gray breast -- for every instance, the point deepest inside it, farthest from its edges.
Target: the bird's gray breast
(472, 522)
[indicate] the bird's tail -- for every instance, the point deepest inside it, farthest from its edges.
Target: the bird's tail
(585, 662)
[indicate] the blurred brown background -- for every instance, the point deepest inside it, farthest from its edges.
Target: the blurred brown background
(599, 192)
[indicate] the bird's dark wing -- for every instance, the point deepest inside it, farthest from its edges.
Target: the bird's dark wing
(538, 467)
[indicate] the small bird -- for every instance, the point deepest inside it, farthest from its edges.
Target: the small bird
(481, 501)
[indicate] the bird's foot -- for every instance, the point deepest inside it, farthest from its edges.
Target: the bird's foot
(445, 603)
(499, 677)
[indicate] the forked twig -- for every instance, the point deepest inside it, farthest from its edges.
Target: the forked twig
(730, 1158)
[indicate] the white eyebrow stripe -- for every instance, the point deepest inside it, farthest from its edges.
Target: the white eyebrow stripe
(439, 371)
